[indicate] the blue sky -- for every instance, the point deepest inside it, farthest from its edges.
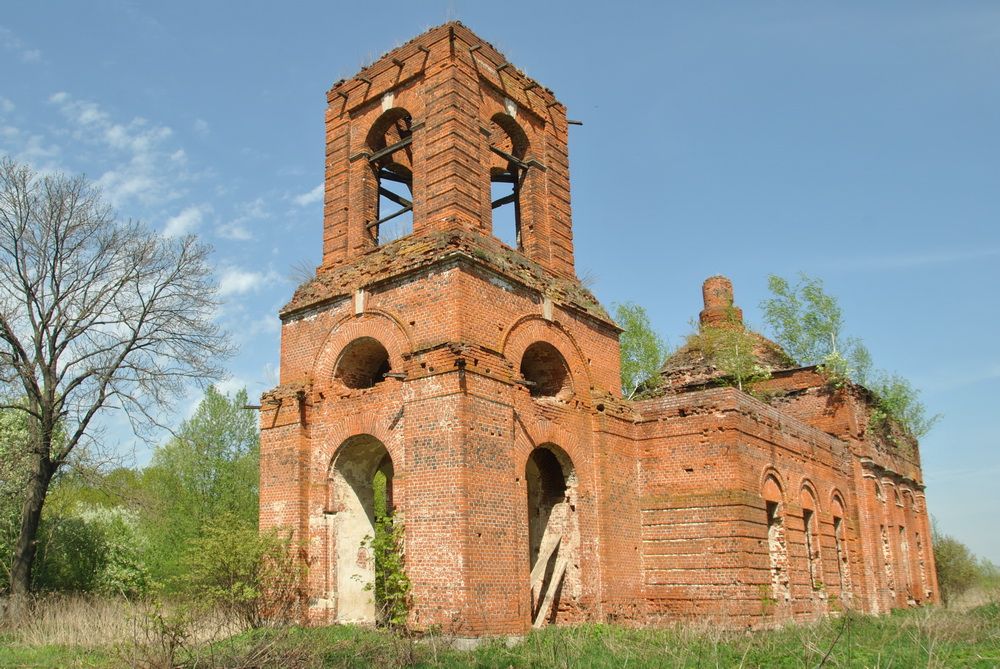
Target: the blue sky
(859, 142)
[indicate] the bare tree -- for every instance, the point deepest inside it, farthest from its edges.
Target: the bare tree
(96, 315)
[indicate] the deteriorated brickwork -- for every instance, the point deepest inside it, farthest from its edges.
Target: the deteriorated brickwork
(483, 382)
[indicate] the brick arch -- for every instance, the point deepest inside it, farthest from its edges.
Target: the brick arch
(879, 491)
(375, 424)
(533, 434)
(837, 499)
(378, 325)
(771, 486)
(807, 491)
(527, 330)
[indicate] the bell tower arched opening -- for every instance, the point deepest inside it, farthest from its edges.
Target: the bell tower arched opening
(390, 201)
(508, 144)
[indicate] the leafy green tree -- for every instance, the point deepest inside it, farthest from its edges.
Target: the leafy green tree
(896, 398)
(808, 323)
(391, 587)
(643, 351)
(208, 470)
(91, 549)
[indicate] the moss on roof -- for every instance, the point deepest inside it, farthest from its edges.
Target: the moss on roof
(415, 252)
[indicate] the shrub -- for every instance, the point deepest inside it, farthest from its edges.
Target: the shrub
(957, 568)
(252, 576)
(91, 549)
(392, 585)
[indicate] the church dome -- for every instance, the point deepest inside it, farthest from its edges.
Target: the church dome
(694, 364)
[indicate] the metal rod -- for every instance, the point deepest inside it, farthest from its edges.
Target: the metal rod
(574, 122)
(389, 150)
(389, 217)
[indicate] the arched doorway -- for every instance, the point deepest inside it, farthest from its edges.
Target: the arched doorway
(553, 531)
(361, 479)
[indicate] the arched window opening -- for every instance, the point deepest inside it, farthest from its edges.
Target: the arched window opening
(776, 545)
(840, 544)
(545, 372)
(904, 550)
(361, 506)
(363, 363)
(508, 170)
(391, 144)
(778, 553)
(553, 532)
(811, 539)
(922, 564)
(890, 577)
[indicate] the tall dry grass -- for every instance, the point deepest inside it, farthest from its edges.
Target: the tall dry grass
(86, 621)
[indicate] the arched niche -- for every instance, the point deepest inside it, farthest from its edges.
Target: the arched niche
(553, 530)
(546, 372)
(777, 545)
(360, 491)
(363, 363)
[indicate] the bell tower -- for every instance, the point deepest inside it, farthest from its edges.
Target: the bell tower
(423, 133)
(465, 376)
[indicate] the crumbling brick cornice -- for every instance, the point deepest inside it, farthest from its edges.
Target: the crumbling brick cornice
(418, 252)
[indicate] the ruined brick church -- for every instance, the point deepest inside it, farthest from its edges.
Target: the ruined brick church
(481, 379)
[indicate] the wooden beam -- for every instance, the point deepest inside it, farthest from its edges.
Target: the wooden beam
(389, 217)
(392, 176)
(514, 159)
(389, 150)
(398, 199)
(506, 199)
(550, 592)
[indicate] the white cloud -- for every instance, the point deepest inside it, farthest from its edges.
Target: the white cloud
(30, 148)
(147, 170)
(313, 196)
(186, 221)
(14, 44)
(234, 230)
(237, 281)
(6, 106)
(268, 323)
(231, 386)
(237, 228)
(201, 127)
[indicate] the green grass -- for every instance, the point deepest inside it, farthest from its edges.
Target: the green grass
(917, 638)
(51, 656)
